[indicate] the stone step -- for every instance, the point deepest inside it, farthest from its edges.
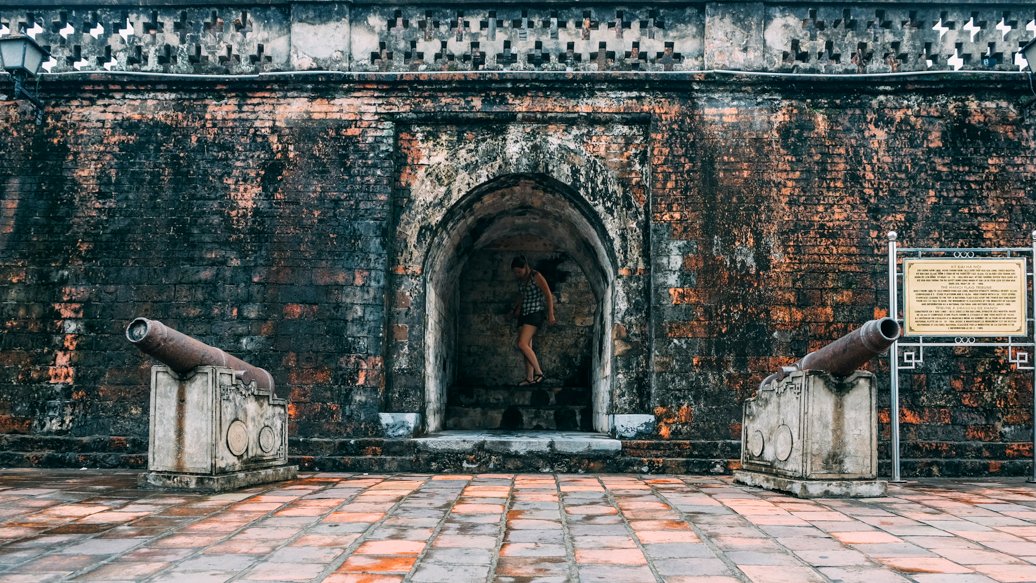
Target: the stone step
(556, 417)
(521, 442)
(646, 448)
(536, 396)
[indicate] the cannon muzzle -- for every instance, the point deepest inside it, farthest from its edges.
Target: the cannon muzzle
(848, 353)
(181, 353)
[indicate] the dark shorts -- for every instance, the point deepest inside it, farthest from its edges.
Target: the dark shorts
(534, 319)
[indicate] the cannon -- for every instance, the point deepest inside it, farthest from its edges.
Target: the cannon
(811, 430)
(182, 354)
(848, 353)
(214, 423)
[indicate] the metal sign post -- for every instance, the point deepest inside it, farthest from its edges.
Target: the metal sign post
(1014, 330)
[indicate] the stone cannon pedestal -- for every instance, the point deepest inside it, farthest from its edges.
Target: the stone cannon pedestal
(812, 435)
(210, 431)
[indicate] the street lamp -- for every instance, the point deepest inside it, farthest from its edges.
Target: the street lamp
(1029, 52)
(22, 58)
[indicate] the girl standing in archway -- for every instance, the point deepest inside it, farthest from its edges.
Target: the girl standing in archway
(535, 305)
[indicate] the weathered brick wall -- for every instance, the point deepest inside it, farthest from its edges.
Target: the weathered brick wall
(244, 220)
(771, 227)
(260, 218)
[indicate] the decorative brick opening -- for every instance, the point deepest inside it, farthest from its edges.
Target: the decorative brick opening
(468, 337)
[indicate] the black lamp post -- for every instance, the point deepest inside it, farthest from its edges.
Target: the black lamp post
(1029, 52)
(22, 58)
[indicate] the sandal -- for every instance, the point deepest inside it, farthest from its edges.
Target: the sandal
(527, 383)
(537, 379)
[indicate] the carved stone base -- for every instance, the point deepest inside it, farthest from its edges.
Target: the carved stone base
(814, 488)
(216, 483)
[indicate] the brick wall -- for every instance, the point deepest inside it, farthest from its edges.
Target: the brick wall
(262, 218)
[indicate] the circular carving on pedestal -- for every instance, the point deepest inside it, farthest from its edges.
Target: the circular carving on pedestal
(783, 442)
(756, 443)
(237, 437)
(267, 439)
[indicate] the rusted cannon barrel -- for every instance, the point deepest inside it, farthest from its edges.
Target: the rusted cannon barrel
(848, 353)
(182, 353)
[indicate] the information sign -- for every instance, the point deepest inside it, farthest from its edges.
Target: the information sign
(965, 297)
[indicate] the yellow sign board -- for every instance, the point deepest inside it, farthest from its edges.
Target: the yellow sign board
(964, 297)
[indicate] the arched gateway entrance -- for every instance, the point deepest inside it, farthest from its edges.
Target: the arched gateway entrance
(534, 215)
(470, 200)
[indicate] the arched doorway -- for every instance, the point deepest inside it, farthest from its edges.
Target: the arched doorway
(465, 189)
(468, 344)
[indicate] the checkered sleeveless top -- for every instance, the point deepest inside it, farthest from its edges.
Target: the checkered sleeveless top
(532, 296)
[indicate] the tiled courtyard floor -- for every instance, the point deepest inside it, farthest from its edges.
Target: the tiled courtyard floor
(97, 526)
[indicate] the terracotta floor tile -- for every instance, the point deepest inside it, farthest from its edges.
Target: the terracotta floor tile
(464, 541)
(590, 509)
(604, 542)
(951, 578)
(639, 525)
(979, 557)
(615, 573)
(833, 558)
(878, 550)
(362, 578)
(658, 551)
(400, 533)
(532, 524)
(377, 564)
(326, 540)
(701, 579)
(865, 537)
(368, 517)
(924, 565)
(1008, 573)
(391, 547)
(555, 535)
(812, 516)
(278, 572)
(531, 566)
(1017, 549)
(188, 541)
(19, 577)
(784, 574)
(532, 550)
(56, 562)
(122, 570)
(867, 574)
(478, 509)
(648, 536)
(988, 536)
(611, 557)
(251, 547)
(702, 566)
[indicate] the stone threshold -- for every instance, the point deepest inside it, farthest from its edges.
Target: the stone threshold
(520, 442)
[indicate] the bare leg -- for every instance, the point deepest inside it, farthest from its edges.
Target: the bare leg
(532, 364)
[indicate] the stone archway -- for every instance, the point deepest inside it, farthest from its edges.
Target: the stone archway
(533, 207)
(462, 187)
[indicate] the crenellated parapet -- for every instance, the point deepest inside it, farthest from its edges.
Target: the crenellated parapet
(236, 38)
